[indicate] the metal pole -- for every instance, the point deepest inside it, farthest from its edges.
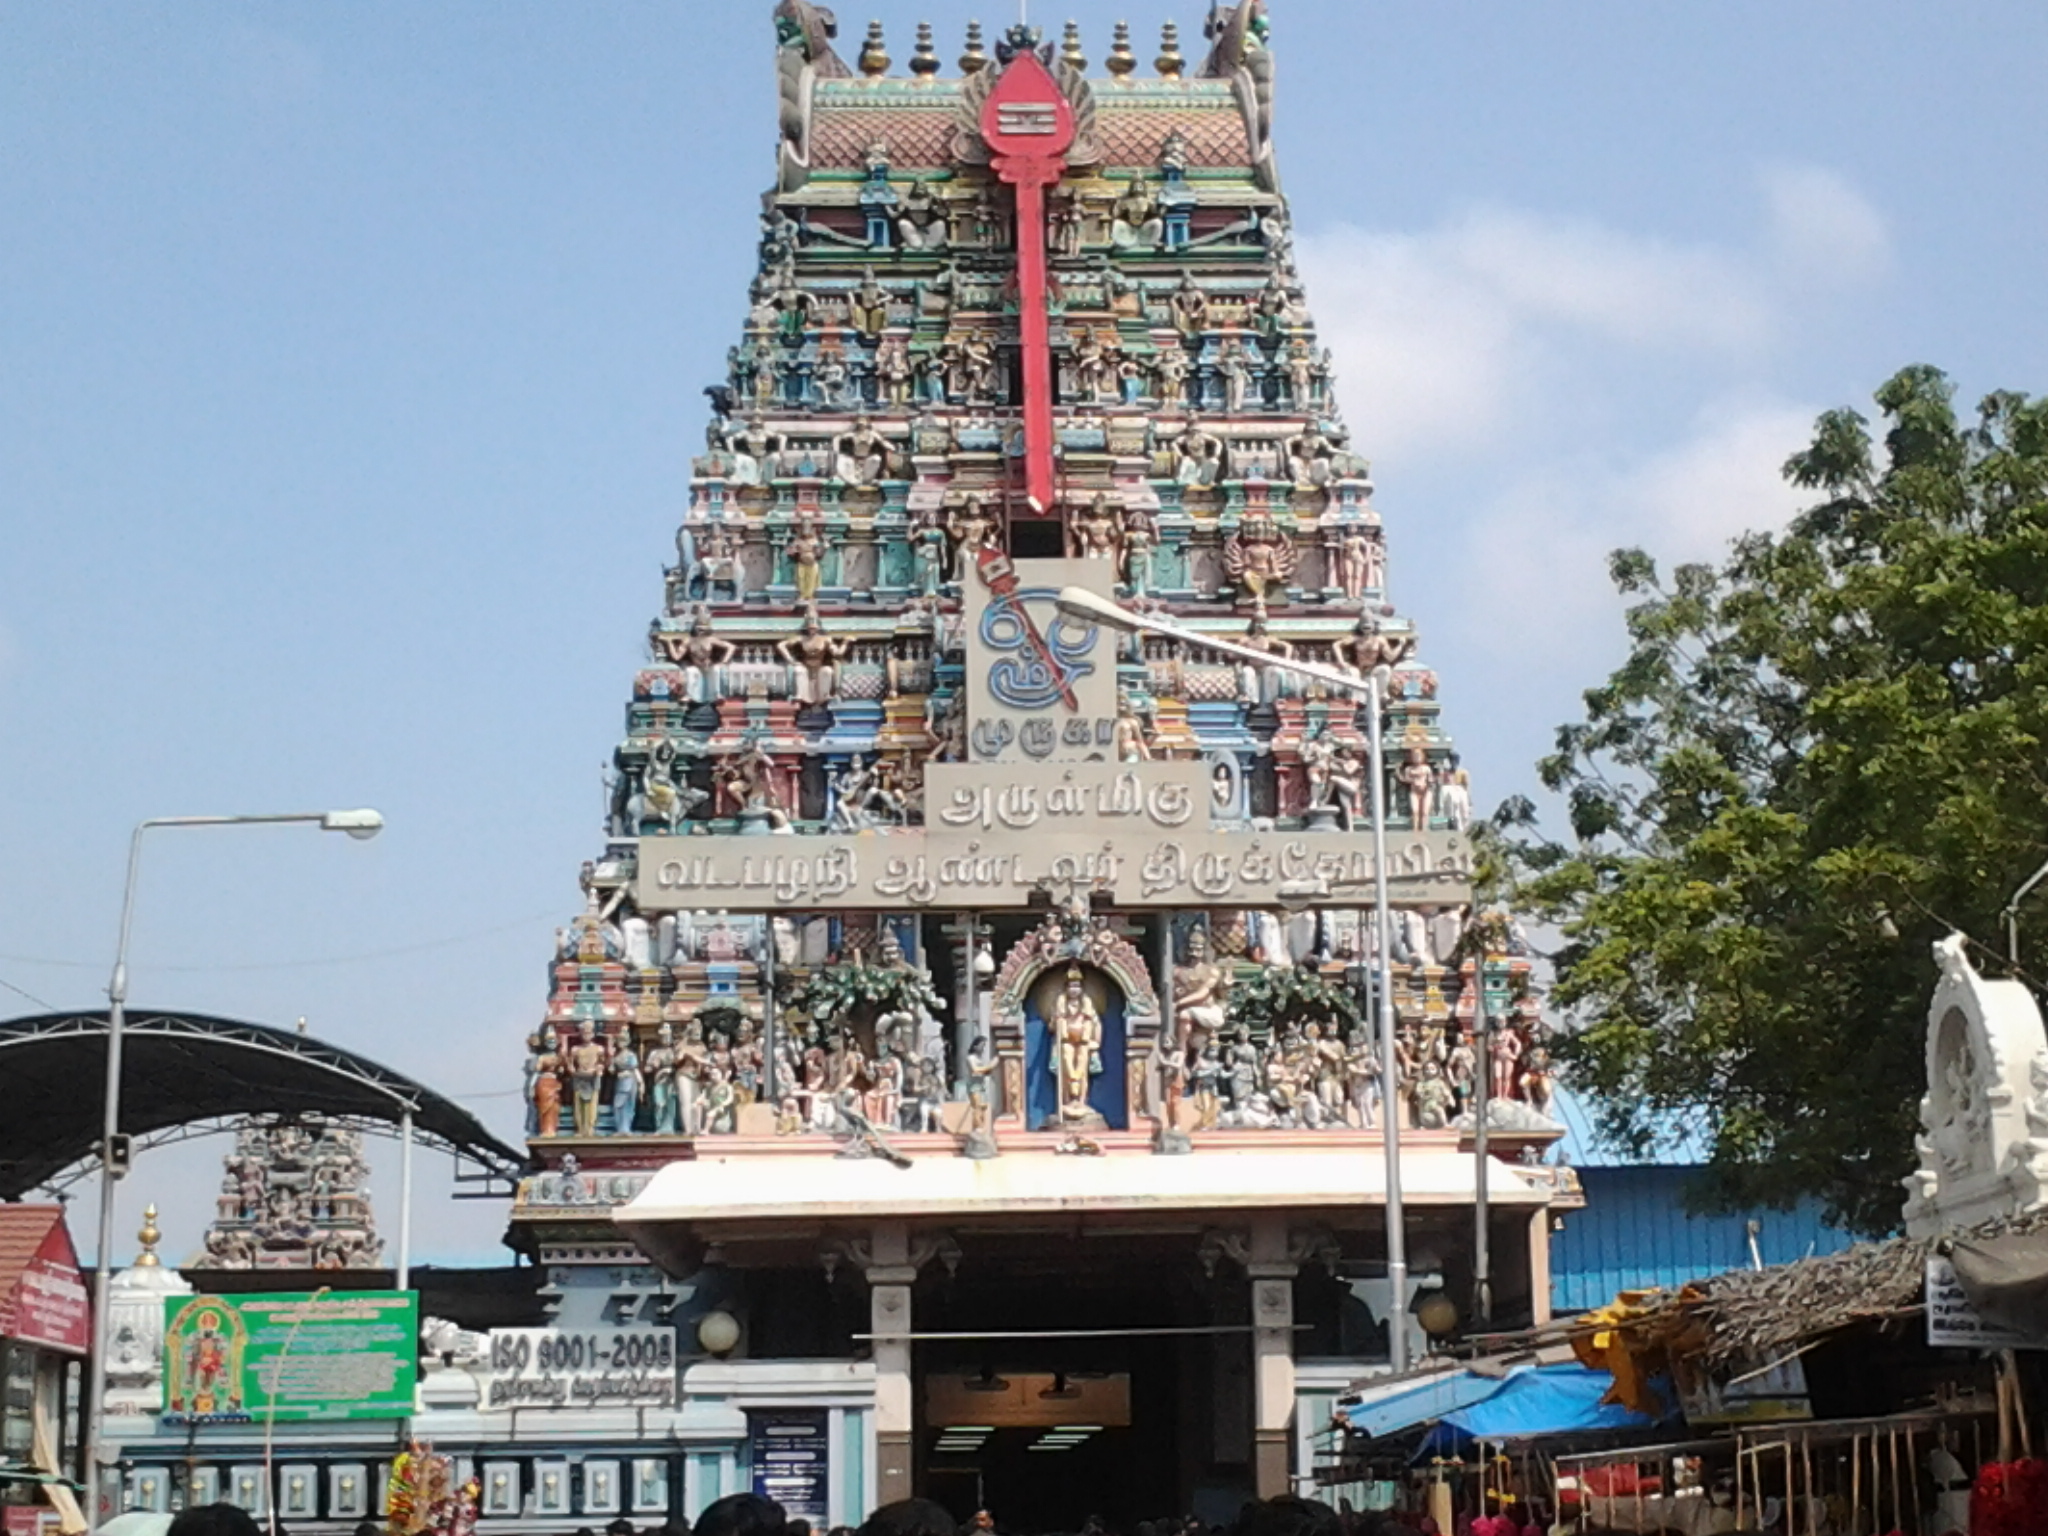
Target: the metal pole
(772, 1085)
(2012, 915)
(358, 824)
(967, 1028)
(270, 1413)
(96, 1356)
(1482, 1257)
(1390, 1101)
(405, 1199)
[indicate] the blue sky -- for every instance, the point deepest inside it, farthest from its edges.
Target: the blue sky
(350, 360)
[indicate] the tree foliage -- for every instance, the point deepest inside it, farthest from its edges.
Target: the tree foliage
(1818, 758)
(1274, 997)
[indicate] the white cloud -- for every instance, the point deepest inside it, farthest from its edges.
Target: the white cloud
(1689, 500)
(1555, 524)
(1824, 229)
(1489, 323)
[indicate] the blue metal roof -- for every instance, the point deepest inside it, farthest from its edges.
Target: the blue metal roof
(1636, 1233)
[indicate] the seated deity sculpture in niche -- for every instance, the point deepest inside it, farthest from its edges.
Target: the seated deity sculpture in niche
(813, 658)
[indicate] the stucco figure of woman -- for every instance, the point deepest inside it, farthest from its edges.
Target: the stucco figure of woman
(661, 1081)
(626, 1084)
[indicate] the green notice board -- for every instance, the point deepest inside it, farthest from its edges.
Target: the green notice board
(238, 1359)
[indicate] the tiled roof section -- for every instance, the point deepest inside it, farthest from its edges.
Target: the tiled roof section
(1133, 133)
(919, 137)
(22, 1230)
(1131, 125)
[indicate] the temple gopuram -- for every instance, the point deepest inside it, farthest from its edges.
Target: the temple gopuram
(966, 1052)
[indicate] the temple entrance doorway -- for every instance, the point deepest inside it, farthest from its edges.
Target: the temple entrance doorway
(1072, 1378)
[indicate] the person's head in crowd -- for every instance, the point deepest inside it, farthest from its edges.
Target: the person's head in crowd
(743, 1514)
(1288, 1516)
(215, 1520)
(909, 1517)
(675, 1525)
(369, 1528)
(619, 1527)
(798, 1527)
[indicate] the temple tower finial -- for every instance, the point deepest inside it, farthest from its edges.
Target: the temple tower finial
(924, 59)
(974, 60)
(1071, 53)
(1121, 61)
(149, 1237)
(874, 53)
(1169, 63)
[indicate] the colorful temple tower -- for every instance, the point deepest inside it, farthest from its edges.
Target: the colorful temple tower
(970, 995)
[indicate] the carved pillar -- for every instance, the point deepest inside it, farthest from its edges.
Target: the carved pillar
(890, 1277)
(1270, 1266)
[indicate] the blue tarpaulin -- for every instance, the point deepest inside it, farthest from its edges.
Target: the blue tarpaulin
(1530, 1401)
(1422, 1404)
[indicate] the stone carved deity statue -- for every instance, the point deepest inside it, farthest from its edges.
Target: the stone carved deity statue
(626, 1084)
(1260, 558)
(1419, 780)
(1190, 307)
(930, 548)
(1357, 560)
(1097, 531)
(588, 1059)
(972, 530)
(661, 1081)
(1140, 539)
(814, 657)
(806, 553)
(1367, 648)
(1076, 1028)
(1199, 989)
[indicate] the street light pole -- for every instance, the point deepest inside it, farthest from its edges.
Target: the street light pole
(1080, 603)
(1390, 1097)
(360, 824)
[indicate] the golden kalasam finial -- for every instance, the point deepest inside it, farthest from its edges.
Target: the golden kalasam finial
(924, 60)
(1121, 60)
(1070, 48)
(973, 60)
(874, 54)
(149, 1237)
(1169, 63)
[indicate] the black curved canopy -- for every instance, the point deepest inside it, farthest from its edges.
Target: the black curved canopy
(184, 1069)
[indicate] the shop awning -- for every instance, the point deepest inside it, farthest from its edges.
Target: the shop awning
(1549, 1400)
(1423, 1403)
(1529, 1401)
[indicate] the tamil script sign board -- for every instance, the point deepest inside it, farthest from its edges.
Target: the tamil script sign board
(1953, 1322)
(248, 1358)
(557, 1368)
(1138, 834)
(792, 1459)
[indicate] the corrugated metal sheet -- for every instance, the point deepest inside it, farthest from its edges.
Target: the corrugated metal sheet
(1636, 1232)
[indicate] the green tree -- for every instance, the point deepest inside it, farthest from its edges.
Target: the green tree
(1819, 757)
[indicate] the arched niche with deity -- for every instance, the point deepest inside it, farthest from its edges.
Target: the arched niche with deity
(1983, 1144)
(1034, 1006)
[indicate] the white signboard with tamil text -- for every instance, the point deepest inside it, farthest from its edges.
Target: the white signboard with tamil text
(1954, 1323)
(591, 1368)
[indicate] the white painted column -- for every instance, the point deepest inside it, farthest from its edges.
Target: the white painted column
(890, 1277)
(1539, 1266)
(1272, 1281)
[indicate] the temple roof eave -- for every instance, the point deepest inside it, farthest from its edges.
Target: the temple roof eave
(1024, 1186)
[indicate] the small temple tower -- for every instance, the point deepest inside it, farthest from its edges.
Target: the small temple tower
(293, 1195)
(949, 955)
